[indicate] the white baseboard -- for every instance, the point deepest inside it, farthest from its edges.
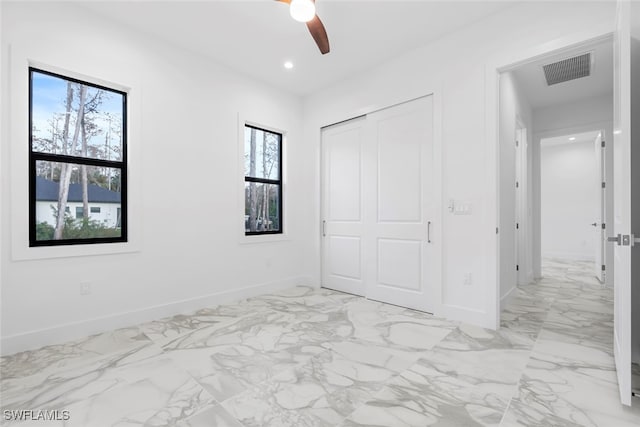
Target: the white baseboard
(466, 315)
(570, 256)
(72, 331)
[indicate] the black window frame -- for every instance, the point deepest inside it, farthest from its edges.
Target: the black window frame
(35, 156)
(277, 182)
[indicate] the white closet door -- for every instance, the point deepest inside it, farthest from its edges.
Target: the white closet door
(342, 197)
(399, 202)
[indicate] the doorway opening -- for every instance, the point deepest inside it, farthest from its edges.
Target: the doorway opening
(537, 112)
(573, 204)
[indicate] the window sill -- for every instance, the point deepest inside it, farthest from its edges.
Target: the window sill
(263, 238)
(25, 253)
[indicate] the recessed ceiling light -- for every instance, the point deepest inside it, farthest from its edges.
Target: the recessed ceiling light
(288, 65)
(573, 138)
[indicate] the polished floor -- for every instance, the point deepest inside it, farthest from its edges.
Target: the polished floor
(308, 357)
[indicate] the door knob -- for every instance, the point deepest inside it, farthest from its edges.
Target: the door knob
(595, 224)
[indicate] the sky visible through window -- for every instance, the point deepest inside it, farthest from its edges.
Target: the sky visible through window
(48, 113)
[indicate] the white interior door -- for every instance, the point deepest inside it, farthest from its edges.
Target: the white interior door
(600, 233)
(400, 205)
(342, 198)
(378, 203)
(622, 200)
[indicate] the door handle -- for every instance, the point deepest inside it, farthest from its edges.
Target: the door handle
(428, 231)
(617, 239)
(595, 224)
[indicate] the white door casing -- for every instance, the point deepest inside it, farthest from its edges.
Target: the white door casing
(599, 214)
(621, 224)
(381, 169)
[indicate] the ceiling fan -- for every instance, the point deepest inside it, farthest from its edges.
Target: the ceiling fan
(305, 11)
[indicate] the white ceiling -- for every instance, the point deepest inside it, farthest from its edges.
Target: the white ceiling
(255, 37)
(564, 139)
(531, 79)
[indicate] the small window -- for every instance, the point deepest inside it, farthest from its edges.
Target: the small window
(78, 155)
(262, 181)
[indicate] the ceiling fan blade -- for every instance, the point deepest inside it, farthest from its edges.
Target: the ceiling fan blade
(284, 1)
(319, 34)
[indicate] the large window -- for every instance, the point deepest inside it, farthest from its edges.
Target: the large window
(262, 181)
(77, 161)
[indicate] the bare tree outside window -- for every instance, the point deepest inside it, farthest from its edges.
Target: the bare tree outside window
(263, 181)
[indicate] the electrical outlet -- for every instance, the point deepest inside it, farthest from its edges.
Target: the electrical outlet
(85, 288)
(468, 279)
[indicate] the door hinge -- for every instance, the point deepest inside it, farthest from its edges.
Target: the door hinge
(603, 267)
(603, 185)
(604, 226)
(517, 226)
(517, 267)
(517, 143)
(517, 184)
(497, 230)
(602, 144)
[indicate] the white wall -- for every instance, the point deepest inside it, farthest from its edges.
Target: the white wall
(454, 68)
(514, 112)
(593, 114)
(569, 177)
(572, 115)
(185, 178)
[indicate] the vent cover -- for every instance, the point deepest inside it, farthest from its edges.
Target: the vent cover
(568, 69)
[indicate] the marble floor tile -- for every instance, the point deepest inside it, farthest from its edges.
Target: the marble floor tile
(212, 416)
(51, 389)
(316, 357)
(583, 390)
(491, 360)
(164, 330)
(321, 392)
(161, 400)
(394, 326)
(303, 298)
(63, 356)
(520, 415)
(423, 397)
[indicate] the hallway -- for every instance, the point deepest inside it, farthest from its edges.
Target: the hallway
(307, 357)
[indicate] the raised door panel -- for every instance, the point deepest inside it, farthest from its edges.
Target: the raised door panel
(400, 168)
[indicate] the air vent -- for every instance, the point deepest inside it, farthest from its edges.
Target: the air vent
(568, 69)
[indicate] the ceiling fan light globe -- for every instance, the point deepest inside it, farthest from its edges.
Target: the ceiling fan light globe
(302, 10)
